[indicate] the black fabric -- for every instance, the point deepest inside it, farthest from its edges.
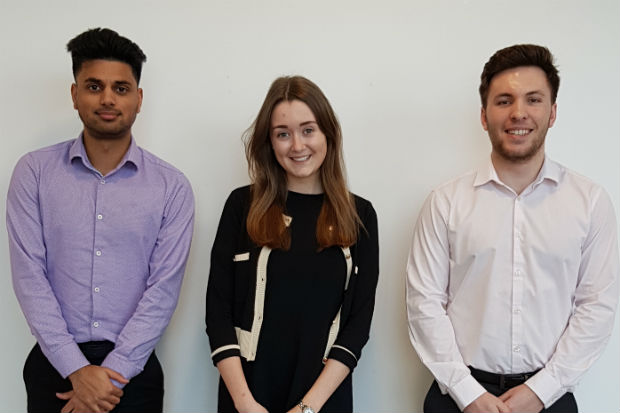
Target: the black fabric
(143, 393)
(232, 284)
(304, 290)
(435, 402)
(502, 381)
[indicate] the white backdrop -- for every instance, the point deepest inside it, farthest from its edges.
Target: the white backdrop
(402, 77)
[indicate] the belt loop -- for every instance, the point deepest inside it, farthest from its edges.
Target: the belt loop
(502, 382)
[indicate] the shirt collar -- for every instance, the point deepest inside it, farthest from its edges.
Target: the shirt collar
(78, 150)
(550, 170)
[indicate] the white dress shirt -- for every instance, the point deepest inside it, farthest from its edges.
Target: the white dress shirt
(511, 283)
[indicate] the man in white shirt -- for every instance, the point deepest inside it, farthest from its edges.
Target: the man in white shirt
(512, 278)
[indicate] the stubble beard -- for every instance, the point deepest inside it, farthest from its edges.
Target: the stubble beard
(519, 155)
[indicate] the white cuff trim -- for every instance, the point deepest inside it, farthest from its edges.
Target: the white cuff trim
(224, 348)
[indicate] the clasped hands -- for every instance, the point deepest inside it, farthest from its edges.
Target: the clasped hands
(93, 390)
(519, 399)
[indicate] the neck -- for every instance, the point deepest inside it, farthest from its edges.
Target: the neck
(518, 174)
(305, 186)
(105, 154)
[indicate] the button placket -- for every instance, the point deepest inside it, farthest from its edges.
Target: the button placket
(518, 279)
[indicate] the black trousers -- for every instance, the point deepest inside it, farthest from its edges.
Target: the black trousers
(143, 393)
(435, 402)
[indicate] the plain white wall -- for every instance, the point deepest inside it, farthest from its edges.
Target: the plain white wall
(402, 77)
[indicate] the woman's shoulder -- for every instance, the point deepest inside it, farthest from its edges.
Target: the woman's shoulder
(239, 196)
(362, 205)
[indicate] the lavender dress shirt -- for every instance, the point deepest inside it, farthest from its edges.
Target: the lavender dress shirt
(98, 257)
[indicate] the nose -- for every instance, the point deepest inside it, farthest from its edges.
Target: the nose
(297, 142)
(107, 97)
(519, 111)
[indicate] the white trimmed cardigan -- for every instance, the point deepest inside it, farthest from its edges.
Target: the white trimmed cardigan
(238, 277)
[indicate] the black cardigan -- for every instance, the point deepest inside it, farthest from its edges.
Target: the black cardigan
(232, 284)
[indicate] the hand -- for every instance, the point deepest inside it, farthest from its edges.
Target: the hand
(487, 403)
(252, 406)
(522, 399)
(92, 390)
(73, 405)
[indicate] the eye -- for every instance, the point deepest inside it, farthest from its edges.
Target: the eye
(93, 87)
(122, 90)
(502, 102)
(282, 134)
(308, 131)
(535, 99)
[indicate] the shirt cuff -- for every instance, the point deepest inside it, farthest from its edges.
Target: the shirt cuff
(466, 391)
(124, 367)
(546, 387)
(68, 359)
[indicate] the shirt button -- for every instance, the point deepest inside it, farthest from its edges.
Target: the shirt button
(97, 289)
(516, 311)
(518, 273)
(516, 349)
(96, 324)
(98, 253)
(102, 181)
(100, 217)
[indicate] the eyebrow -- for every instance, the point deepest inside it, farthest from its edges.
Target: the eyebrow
(116, 82)
(308, 122)
(533, 92)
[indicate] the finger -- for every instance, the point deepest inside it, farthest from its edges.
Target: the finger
(111, 399)
(68, 407)
(65, 396)
(503, 407)
(116, 376)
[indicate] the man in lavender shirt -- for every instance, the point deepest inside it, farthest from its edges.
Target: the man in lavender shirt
(99, 234)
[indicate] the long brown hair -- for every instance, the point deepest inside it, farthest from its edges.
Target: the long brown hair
(338, 222)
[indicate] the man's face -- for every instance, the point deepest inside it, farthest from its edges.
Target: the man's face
(107, 98)
(518, 113)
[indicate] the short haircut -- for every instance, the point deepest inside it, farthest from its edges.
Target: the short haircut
(516, 56)
(105, 44)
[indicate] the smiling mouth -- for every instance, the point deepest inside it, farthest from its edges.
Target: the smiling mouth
(301, 158)
(518, 132)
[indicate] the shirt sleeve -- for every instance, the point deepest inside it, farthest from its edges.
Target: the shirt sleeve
(144, 328)
(221, 286)
(430, 329)
(595, 301)
(29, 271)
(354, 333)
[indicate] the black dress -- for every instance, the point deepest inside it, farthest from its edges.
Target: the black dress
(304, 291)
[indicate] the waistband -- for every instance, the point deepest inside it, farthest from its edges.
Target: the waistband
(96, 348)
(504, 381)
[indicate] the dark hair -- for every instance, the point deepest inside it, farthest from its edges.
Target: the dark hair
(338, 222)
(105, 44)
(516, 56)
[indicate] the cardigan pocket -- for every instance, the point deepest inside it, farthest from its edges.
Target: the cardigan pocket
(245, 256)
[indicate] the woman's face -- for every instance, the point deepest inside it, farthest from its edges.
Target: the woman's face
(299, 145)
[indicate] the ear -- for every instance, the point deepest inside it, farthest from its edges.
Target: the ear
(483, 118)
(74, 95)
(140, 95)
(554, 110)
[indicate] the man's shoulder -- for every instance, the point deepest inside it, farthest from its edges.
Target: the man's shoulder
(45, 157)
(575, 181)
(51, 151)
(156, 164)
(465, 181)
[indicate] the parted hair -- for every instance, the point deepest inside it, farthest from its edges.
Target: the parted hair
(338, 222)
(105, 44)
(516, 56)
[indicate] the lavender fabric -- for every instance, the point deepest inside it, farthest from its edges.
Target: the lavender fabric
(98, 258)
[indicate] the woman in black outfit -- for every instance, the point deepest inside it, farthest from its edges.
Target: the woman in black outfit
(294, 265)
